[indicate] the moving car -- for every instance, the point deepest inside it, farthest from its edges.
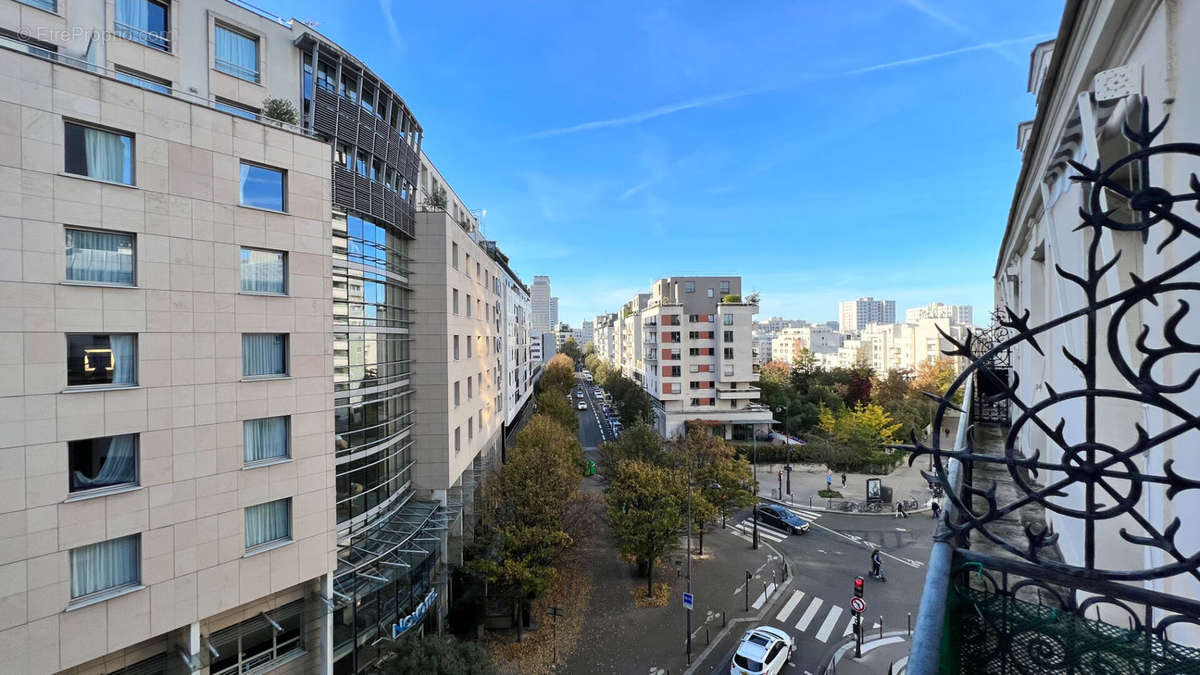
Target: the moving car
(582, 405)
(762, 651)
(579, 394)
(779, 517)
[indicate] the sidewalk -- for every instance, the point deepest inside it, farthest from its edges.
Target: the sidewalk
(808, 479)
(879, 656)
(620, 638)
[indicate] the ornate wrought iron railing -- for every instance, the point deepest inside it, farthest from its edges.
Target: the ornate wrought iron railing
(1014, 603)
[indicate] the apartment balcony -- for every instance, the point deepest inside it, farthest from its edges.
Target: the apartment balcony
(727, 393)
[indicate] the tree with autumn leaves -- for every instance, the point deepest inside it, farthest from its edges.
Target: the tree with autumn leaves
(524, 503)
(650, 483)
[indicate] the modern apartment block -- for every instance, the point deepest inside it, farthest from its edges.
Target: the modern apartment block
(963, 315)
(692, 352)
(520, 370)
(553, 311)
(167, 391)
(904, 346)
(539, 299)
(816, 338)
(458, 357)
(855, 315)
(207, 344)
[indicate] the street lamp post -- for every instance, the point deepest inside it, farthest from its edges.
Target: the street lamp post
(754, 509)
(787, 434)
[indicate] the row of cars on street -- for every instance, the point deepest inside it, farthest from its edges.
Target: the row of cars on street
(604, 399)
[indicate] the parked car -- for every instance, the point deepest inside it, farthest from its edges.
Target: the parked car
(779, 517)
(582, 405)
(763, 651)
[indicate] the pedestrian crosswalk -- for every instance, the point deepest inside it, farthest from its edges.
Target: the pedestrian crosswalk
(823, 620)
(745, 528)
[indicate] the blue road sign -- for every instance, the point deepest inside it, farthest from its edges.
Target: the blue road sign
(687, 600)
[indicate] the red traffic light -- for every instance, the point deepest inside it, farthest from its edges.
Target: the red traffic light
(858, 587)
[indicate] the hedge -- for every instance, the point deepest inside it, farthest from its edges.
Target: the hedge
(772, 453)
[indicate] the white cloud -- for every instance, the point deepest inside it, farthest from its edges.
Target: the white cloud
(389, 22)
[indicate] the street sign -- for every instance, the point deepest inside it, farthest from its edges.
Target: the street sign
(687, 600)
(858, 605)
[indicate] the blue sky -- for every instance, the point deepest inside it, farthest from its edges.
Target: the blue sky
(823, 150)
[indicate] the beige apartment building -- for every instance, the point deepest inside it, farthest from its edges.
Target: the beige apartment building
(166, 391)
(457, 355)
(206, 381)
(692, 351)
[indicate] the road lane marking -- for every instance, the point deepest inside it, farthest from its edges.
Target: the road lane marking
(849, 629)
(859, 540)
(746, 527)
(835, 613)
(762, 597)
(809, 614)
(784, 613)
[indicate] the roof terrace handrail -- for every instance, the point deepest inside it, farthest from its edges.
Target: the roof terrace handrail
(80, 64)
(925, 655)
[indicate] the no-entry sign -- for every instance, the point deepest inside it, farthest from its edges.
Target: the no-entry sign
(858, 605)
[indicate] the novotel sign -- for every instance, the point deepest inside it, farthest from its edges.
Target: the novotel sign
(416, 616)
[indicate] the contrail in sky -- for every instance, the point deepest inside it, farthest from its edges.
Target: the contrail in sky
(708, 101)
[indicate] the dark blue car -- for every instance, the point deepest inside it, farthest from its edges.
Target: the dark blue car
(781, 518)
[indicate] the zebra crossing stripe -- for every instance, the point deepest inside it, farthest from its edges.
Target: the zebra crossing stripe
(835, 613)
(849, 629)
(807, 515)
(784, 613)
(746, 529)
(807, 617)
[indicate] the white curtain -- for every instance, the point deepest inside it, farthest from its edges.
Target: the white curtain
(263, 354)
(265, 438)
(107, 564)
(120, 465)
(105, 154)
(124, 354)
(268, 522)
(135, 14)
(262, 271)
(236, 54)
(99, 256)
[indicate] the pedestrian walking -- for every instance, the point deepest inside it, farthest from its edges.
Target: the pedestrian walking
(900, 512)
(936, 508)
(828, 479)
(843, 479)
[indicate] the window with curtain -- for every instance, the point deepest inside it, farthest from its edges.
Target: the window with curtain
(97, 463)
(268, 523)
(264, 271)
(264, 354)
(262, 187)
(143, 21)
(104, 155)
(105, 566)
(235, 53)
(265, 439)
(142, 80)
(100, 257)
(101, 360)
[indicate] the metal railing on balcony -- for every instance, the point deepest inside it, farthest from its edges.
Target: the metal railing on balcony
(1001, 595)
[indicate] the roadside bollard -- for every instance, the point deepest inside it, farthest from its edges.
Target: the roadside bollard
(707, 637)
(910, 624)
(722, 618)
(880, 627)
(810, 501)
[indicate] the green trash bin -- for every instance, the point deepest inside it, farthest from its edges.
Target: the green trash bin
(591, 468)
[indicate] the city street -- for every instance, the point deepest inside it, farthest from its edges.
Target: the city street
(814, 606)
(593, 426)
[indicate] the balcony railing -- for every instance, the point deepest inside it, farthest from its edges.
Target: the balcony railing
(1000, 594)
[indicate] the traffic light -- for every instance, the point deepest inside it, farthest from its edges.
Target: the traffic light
(858, 587)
